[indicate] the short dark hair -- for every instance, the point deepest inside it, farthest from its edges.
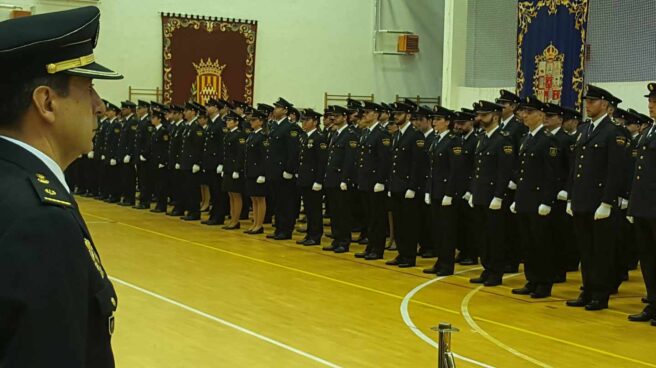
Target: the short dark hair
(16, 96)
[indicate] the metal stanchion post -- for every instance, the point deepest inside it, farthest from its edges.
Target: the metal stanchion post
(444, 354)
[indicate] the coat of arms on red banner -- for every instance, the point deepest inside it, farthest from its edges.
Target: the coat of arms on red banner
(209, 83)
(548, 77)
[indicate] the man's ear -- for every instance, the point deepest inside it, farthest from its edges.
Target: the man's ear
(45, 103)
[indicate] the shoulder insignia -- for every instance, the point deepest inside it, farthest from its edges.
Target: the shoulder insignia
(199, 133)
(225, 130)
(242, 140)
(457, 150)
(323, 146)
(353, 144)
(504, 133)
(294, 133)
(421, 143)
(386, 142)
(508, 150)
(553, 151)
(165, 138)
(45, 192)
(94, 257)
(621, 140)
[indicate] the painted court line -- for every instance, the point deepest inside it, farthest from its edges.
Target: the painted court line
(227, 324)
(408, 321)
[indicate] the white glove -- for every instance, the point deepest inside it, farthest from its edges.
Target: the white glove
(296, 176)
(195, 169)
(126, 159)
(235, 175)
(221, 173)
(562, 195)
(102, 157)
(495, 204)
(90, 155)
(260, 180)
(317, 187)
(512, 185)
(427, 198)
(409, 194)
(544, 210)
(470, 201)
(379, 187)
(624, 203)
(512, 208)
(389, 194)
(629, 219)
(219, 169)
(177, 166)
(287, 176)
(343, 186)
(466, 196)
(112, 162)
(602, 212)
(143, 159)
(160, 166)
(447, 201)
(568, 210)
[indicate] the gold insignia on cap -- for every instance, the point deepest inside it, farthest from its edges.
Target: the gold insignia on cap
(70, 64)
(508, 149)
(94, 257)
(42, 179)
(553, 151)
(421, 143)
(50, 192)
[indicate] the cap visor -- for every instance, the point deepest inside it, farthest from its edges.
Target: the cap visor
(94, 71)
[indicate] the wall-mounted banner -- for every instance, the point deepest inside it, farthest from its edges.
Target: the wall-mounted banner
(208, 57)
(551, 50)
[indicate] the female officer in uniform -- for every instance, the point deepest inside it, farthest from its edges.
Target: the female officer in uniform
(233, 168)
(254, 171)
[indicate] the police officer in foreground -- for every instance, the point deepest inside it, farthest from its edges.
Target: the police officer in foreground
(56, 300)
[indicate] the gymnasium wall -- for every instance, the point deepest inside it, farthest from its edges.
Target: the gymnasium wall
(304, 47)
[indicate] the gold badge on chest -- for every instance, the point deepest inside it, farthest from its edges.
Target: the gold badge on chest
(94, 257)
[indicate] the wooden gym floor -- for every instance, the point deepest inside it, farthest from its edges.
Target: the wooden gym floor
(197, 296)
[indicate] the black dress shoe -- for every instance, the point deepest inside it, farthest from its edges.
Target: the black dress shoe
(433, 270)
(372, 257)
(191, 217)
(302, 241)
(233, 227)
(142, 206)
(646, 315)
(360, 255)
(394, 262)
(442, 273)
(157, 210)
(126, 204)
(363, 241)
(271, 236)
(541, 292)
(522, 291)
(581, 301)
(493, 281)
(481, 279)
(559, 279)
(392, 247)
(406, 264)
(177, 213)
(428, 254)
(339, 249)
(310, 242)
(596, 305)
(653, 322)
(282, 237)
(468, 262)
(332, 247)
(212, 222)
(254, 232)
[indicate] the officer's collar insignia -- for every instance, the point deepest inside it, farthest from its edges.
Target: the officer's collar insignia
(42, 179)
(504, 133)
(46, 193)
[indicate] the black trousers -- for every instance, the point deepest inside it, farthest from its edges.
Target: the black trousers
(218, 198)
(128, 182)
(626, 244)
(515, 250)
(312, 202)
(562, 229)
(540, 251)
(285, 201)
(191, 193)
(491, 239)
(377, 220)
(92, 176)
(340, 215)
(645, 231)
(146, 183)
(425, 236)
(466, 230)
(444, 221)
(176, 189)
(596, 242)
(359, 212)
(405, 213)
(114, 182)
(160, 184)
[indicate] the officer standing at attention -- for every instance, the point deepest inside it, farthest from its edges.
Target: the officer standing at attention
(176, 182)
(144, 130)
(212, 158)
(56, 301)
(190, 159)
(126, 153)
(597, 179)
(157, 155)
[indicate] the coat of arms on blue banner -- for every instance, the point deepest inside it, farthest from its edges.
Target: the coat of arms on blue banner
(551, 50)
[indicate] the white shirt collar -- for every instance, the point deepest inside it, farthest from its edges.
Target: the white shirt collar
(257, 130)
(214, 118)
(503, 123)
(555, 131)
(233, 129)
(635, 134)
(489, 134)
(157, 127)
(536, 130)
(339, 131)
(311, 131)
(373, 126)
(596, 122)
(428, 132)
(444, 133)
(128, 117)
(50, 163)
(281, 120)
(468, 134)
(144, 117)
(179, 122)
(404, 128)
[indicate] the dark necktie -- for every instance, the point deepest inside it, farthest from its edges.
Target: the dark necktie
(365, 134)
(590, 130)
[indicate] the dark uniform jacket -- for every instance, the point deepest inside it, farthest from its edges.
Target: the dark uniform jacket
(342, 151)
(142, 139)
(113, 133)
(312, 159)
(494, 160)
(157, 152)
(99, 139)
(566, 144)
(56, 301)
(407, 153)
(255, 154)
(127, 140)
(468, 157)
(446, 167)
(282, 150)
(537, 181)
(175, 146)
(375, 157)
(193, 141)
(234, 143)
(598, 171)
(516, 131)
(424, 162)
(213, 146)
(642, 202)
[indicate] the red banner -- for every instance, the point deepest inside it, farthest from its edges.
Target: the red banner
(207, 57)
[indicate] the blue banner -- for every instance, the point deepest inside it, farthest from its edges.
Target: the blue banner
(551, 50)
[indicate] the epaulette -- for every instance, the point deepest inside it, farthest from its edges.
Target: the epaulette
(504, 133)
(46, 193)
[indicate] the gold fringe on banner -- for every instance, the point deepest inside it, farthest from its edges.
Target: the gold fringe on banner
(208, 18)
